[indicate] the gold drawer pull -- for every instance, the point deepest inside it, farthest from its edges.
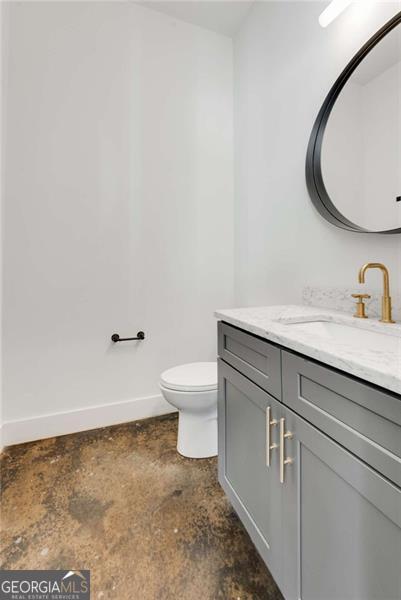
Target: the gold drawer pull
(269, 423)
(284, 435)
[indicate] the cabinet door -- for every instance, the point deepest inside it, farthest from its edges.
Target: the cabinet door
(245, 415)
(342, 522)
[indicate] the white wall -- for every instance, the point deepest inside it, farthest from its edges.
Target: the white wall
(285, 64)
(2, 115)
(118, 207)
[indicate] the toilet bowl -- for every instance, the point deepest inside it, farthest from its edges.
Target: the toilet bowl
(192, 389)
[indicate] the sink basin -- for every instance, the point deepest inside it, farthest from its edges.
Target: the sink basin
(346, 334)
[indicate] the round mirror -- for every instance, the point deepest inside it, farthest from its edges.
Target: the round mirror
(353, 165)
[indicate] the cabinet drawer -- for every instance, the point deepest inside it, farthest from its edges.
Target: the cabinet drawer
(256, 359)
(360, 417)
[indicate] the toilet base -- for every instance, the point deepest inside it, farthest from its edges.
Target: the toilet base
(197, 435)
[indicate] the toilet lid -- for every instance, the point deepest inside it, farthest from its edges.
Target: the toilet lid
(195, 377)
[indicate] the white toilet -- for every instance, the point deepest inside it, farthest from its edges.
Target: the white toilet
(192, 389)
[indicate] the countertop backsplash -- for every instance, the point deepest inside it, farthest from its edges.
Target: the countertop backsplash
(340, 298)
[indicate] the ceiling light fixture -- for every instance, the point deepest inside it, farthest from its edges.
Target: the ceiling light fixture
(332, 11)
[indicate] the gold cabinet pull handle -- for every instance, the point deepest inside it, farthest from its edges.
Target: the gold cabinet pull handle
(269, 423)
(284, 435)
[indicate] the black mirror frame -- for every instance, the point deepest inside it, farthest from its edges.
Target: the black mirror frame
(313, 171)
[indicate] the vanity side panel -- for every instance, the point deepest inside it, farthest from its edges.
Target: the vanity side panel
(360, 417)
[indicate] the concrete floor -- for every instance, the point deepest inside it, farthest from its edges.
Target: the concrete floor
(120, 501)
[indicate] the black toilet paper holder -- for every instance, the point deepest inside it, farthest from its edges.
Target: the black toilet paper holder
(139, 336)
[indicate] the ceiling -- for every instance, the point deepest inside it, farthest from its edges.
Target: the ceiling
(222, 16)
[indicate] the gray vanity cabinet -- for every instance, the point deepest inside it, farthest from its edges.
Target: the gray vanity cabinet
(341, 522)
(245, 414)
(324, 506)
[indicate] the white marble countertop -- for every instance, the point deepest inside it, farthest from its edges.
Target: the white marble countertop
(373, 364)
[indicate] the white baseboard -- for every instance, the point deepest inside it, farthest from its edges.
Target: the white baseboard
(51, 425)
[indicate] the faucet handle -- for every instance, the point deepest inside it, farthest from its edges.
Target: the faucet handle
(360, 306)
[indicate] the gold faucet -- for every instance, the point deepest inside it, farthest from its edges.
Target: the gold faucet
(386, 300)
